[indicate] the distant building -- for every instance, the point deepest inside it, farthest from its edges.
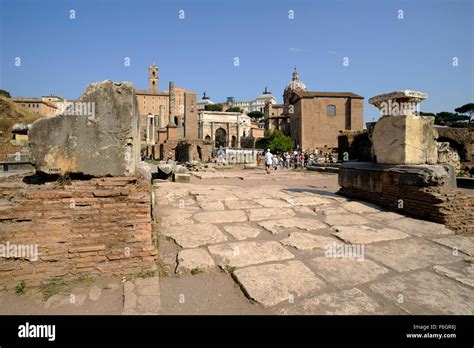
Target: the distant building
(224, 129)
(314, 119)
(52, 99)
(258, 104)
(205, 100)
(37, 105)
(277, 118)
(155, 103)
(169, 122)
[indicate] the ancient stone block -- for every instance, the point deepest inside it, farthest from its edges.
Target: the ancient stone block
(405, 139)
(102, 140)
(183, 178)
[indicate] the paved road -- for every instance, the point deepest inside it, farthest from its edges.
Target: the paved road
(246, 242)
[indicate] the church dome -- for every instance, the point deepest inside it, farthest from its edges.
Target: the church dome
(295, 84)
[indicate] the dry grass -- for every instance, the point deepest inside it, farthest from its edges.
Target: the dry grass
(11, 113)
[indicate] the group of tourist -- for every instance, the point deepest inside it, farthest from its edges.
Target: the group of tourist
(293, 160)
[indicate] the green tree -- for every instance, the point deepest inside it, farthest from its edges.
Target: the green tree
(5, 94)
(213, 107)
(234, 109)
(256, 115)
(466, 109)
(276, 141)
(445, 118)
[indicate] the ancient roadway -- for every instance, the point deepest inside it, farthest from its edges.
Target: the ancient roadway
(242, 242)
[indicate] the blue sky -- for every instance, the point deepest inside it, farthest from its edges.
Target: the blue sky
(60, 55)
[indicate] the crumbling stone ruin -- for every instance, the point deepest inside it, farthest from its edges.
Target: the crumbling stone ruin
(405, 174)
(88, 207)
(99, 144)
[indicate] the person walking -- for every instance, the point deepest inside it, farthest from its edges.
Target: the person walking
(268, 161)
(275, 162)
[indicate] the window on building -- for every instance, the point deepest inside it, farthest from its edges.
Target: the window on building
(331, 110)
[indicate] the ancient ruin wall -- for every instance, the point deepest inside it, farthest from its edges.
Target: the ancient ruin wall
(100, 226)
(451, 207)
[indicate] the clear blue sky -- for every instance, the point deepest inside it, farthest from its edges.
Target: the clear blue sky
(61, 56)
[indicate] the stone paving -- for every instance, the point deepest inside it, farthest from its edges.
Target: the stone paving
(297, 248)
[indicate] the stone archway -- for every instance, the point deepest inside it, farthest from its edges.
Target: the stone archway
(221, 138)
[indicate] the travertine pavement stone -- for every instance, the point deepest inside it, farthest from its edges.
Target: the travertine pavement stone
(241, 232)
(274, 283)
(192, 236)
(361, 234)
(242, 254)
(194, 259)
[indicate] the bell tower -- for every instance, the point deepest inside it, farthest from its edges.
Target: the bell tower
(153, 79)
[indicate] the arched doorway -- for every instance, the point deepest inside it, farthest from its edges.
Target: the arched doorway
(234, 142)
(221, 138)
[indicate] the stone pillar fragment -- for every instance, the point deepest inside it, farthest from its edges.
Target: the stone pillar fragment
(400, 136)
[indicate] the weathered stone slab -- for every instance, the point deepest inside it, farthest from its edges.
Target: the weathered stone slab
(427, 293)
(242, 254)
(460, 242)
(275, 283)
(304, 210)
(194, 259)
(307, 200)
(177, 218)
(269, 213)
(330, 210)
(360, 207)
(345, 219)
(306, 241)
(346, 302)
(272, 203)
(305, 224)
(346, 270)
(384, 216)
(410, 254)
(461, 272)
(192, 236)
(361, 234)
(212, 206)
(238, 204)
(419, 228)
(218, 217)
(103, 140)
(242, 232)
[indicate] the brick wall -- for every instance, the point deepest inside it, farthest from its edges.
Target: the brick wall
(100, 227)
(451, 207)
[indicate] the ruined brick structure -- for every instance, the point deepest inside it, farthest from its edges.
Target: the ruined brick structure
(101, 226)
(409, 193)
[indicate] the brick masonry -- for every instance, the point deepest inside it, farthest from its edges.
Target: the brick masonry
(101, 226)
(451, 207)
